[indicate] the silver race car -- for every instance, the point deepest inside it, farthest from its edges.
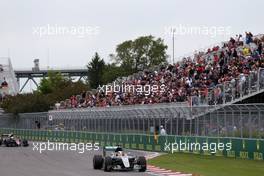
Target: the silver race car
(114, 158)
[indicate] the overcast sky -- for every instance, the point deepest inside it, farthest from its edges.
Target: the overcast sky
(110, 22)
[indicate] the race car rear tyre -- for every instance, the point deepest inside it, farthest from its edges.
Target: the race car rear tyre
(108, 164)
(142, 164)
(98, 161)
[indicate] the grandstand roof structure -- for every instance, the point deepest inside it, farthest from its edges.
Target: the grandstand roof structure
(8, 75)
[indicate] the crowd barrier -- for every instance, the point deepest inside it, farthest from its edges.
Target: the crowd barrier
(241, 148)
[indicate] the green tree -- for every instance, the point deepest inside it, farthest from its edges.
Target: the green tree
(54, 88)
(111, 72)
(141, 53)
(95, 71)
(53, 82)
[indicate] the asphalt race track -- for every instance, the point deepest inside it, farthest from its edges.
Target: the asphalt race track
(23, 161)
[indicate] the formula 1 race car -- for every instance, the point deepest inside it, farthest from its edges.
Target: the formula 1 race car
(118, 160)
(9, 140)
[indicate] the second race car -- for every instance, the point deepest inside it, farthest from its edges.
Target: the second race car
(10, 140)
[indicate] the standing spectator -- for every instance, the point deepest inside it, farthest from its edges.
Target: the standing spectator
(1, 68)
(162, 131)
(260, 47)
(73, 101)
(249, 37)
(242, 82)
(37, 124)
(57, 105)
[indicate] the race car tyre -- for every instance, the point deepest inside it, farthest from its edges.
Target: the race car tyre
(131, 166)
(142, 164)
(25, 143)
(107, 164)
(13, 144)
(98, 161)
(1, 142)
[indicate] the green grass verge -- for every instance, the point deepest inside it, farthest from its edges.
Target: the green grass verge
(209, 165)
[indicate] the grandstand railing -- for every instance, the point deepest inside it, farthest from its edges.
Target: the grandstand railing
(233, 91)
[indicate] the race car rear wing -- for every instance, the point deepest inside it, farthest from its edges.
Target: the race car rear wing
(110, 148)
(7, 135)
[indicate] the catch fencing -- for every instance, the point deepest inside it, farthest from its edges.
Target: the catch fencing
(23, 121)
(237, 120)
(243, 120)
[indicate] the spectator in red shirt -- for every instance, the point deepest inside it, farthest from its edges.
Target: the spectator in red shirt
(4, 83)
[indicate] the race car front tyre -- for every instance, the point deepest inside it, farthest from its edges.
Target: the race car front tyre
(108, 164)
(98, 162)
(7, 144)
(25, 143)
(142, 164)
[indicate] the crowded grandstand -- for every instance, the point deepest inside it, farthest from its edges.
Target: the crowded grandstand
(131, 88)
(221, 74)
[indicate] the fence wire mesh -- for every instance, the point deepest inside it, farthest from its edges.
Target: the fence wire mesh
(237, 120)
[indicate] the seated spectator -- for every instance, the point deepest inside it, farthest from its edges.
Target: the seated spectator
(1, 68)
(4, 84)
(198, 76)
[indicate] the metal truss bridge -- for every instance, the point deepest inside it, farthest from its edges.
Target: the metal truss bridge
(30, 74)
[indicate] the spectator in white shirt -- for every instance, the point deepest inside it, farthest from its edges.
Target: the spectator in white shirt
(162, 131)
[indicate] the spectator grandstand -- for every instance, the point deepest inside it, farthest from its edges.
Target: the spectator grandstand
(219, 75)
(8, 83)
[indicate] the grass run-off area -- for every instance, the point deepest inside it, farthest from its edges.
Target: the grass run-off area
(200, 165)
